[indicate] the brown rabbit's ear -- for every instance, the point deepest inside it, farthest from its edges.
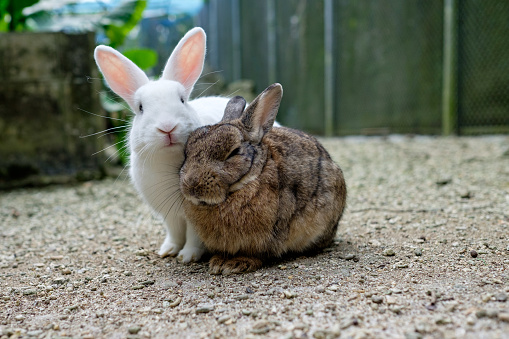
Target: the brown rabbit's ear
(259, 116)
(234, 108)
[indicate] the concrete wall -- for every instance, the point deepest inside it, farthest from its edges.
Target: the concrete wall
(44, 82)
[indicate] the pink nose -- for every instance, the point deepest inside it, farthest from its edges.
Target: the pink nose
(163, 131)
(169, 138)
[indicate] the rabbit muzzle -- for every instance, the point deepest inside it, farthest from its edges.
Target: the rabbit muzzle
(202, 189)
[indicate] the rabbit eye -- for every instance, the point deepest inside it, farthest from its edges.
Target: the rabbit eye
(140, 108)
(233, 153)
(181, 99)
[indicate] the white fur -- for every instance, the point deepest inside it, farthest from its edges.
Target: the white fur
(160, 130)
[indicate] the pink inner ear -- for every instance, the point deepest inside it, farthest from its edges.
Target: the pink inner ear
(123, 76)
(191, 63)
(186, 62)
(118, 79)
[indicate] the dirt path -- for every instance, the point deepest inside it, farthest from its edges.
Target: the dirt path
(422, 252)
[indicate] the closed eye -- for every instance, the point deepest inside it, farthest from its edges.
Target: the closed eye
(233, 153)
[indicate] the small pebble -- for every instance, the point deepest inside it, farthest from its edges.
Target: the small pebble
(241, 297)
(176, 302)
(72, 307)
(471, 321)
(377, 299)
(333, 288)
(473, 254)
(138, 287)
(502, 297)
(320, 289)
(390, 300)
(395, 309)
(169, 285)
(418, 252)
(492, 313)
(134, 329)
(503, 316)
(349, 256)
(289, 294)
(35, 333)
(204, 309)
(481, 313)
(389, 252)
(223, 319)
(443, 320)
(142, 253)
(60, 281)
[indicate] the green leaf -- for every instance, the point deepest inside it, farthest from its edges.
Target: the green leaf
(122, 20)
(142, 57)
(15, 9)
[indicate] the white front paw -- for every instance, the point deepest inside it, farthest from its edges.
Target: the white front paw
(190, 254)
(169, 248)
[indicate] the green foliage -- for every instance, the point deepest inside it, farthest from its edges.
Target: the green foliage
(11, 14)
(144, 58)
(122, 20)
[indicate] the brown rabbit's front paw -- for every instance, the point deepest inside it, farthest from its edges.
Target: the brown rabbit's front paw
(219, 264)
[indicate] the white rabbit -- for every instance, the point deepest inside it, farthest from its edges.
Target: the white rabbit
(163, 120)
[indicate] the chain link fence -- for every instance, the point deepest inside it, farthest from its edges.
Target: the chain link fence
(483, 66)
(370, 67)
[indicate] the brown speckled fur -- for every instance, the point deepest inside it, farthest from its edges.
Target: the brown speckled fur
(279, 192)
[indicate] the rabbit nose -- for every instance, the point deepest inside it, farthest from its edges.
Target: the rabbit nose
(168, 132)
(189, 186)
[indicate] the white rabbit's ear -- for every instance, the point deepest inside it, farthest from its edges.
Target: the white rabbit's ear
(121, 74)
(260, 115)
(186, 62)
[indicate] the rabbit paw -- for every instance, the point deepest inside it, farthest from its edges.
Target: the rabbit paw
(190, 254)
(221, 265)
(169, 248)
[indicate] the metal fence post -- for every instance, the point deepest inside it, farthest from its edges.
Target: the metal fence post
(213, 47)
(329, 67)
(237, 51)
(450, 71)
(271, 40)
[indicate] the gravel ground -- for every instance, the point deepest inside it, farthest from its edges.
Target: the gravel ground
(421, 252)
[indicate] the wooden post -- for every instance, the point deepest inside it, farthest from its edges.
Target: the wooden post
(450, 70)
(329, 67)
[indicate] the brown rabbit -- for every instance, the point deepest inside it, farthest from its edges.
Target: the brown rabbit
(255, 192)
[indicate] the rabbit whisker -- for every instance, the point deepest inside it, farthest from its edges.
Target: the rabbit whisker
(104, 149)
(212, 72)
(102, 116)
(106, 130)
(206, 89)
(120, 174)
(231, 94)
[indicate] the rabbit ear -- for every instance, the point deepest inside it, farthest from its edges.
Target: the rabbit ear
(186, 62)
(234, 108)
(121, 74)
(259, 116)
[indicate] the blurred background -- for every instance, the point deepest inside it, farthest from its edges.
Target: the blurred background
(348, 67)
